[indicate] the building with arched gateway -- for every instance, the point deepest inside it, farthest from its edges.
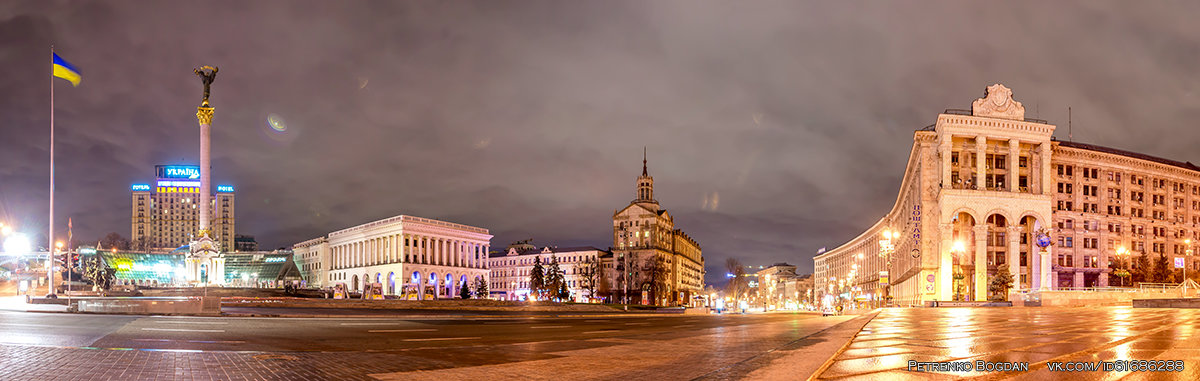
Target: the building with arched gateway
(410, 257)
(983, 185)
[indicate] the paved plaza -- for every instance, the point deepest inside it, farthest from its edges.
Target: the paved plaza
(1038, 336)
(39, 346)
(877, 345)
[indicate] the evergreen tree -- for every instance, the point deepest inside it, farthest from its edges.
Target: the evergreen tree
(554, 279)
(537, 279)
(481, 288)
(1000, 284)
(1162, 269)
(1141, 269)
(464, 292)
(563, 292)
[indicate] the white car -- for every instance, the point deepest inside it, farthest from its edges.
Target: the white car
(828, 311)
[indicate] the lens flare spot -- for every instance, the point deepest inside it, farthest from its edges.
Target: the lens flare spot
(276, 123)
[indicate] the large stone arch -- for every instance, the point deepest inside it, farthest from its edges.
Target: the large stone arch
(962, 209)
(997, 211)
(1036, 216)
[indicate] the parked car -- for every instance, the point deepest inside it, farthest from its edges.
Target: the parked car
(828, 311)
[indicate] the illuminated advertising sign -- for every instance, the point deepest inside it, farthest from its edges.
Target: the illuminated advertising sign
(178, 171)
(140, 187)
(224, 188)
(275, 259)
(168, 183)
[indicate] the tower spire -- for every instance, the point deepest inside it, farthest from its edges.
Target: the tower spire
(644, 161)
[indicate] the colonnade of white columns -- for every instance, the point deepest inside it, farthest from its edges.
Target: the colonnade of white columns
(411, 248)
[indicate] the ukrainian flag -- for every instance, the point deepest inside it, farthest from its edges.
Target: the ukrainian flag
(64, 70)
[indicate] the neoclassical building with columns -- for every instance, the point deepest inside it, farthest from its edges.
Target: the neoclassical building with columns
(411, 257)
(982, 185)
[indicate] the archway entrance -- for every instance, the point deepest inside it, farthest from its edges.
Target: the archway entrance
(963, 254)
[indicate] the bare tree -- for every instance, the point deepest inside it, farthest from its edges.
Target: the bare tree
(657, 276)
(588, 271)
(737, 284)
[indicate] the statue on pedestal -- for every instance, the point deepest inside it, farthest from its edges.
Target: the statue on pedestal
(207, 75)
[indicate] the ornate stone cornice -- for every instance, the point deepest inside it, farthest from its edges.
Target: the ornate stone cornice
(1101, 158)
(997, 102)
(204, 115)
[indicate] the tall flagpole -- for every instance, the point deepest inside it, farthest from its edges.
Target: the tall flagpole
(50, 243)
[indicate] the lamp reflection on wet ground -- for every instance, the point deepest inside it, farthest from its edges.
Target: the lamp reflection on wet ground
(884, 347)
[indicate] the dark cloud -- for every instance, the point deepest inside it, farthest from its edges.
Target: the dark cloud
(528, 117)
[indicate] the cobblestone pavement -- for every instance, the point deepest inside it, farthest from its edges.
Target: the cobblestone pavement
(1039, 336)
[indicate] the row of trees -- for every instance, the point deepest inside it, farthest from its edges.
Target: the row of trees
(478, 286)
(652, 276)
(549, 282)
(1144, 270)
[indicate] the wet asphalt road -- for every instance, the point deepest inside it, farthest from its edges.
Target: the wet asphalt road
(346, 334)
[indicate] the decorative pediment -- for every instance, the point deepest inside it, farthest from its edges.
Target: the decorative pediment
(997, 102)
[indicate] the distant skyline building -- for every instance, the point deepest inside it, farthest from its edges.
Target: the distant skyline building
(410, 257)
(645, 238)
(165, 214)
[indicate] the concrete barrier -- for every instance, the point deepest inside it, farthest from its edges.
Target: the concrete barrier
(151, 306)
(1167, 303)
(1054, 298)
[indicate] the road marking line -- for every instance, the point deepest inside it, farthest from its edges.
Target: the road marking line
(183, 330)
(402, 330)
(637, 323)
(603, 331)
(443, 338)
(191, 322)
(218, 341)
(379, 323)
(550, 326)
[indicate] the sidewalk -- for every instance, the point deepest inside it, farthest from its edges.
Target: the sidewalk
(17, 303)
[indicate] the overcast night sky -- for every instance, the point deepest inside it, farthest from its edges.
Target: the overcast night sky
(528, 118)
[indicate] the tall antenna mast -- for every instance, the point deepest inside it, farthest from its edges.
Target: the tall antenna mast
(1070, 134)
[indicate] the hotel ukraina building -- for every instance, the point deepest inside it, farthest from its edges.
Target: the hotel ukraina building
(411, 257)
(979, 188)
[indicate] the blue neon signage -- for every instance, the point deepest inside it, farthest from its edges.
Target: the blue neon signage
(178, 171)
(224, 188)
(140, 187)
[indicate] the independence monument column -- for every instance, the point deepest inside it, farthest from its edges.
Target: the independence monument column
(205, 264)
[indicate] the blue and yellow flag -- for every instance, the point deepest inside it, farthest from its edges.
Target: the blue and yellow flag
(64, 70)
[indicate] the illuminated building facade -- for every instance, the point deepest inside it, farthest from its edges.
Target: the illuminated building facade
(411, 257)
(166, 213)
(982, 186)
(645, 238)
(510, 270)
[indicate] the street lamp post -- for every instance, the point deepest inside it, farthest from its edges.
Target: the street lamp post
(1186, 253)
(886, 249)
(1122, 252)
(957, 250)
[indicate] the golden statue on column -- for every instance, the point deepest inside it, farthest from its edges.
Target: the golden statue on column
(205, 263)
